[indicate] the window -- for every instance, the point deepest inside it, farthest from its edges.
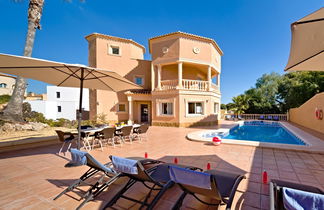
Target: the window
(58, 95)
(216, 108)
(139, 80)
(195, 108)
(3, 85)
(121, 107)
(59, 109)
(166, 109)
(114, 50)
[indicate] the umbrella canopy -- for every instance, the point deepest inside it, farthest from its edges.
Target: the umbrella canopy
(307, 44)
(63, 74)
(67, 75)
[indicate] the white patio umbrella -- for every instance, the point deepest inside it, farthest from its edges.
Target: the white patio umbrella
(67, 75)
(307, 44)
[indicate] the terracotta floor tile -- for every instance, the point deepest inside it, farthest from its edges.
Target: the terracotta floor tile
(33, 177)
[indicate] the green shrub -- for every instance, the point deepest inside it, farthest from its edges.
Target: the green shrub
(4, 99)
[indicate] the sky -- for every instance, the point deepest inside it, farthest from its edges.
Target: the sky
(253, 34)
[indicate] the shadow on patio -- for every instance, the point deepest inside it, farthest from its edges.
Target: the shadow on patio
(139, 191)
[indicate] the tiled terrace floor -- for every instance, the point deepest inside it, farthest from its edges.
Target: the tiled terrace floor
(31, 178)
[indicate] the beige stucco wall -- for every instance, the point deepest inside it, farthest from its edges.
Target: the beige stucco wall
(157, 49)
(171, 97)
(305, 114)
(130, 63)
(208, 116)
(216, 59)
(180, 117)
(187, 46)
(10, 82)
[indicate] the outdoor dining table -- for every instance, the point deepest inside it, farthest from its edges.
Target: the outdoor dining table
(91, 131)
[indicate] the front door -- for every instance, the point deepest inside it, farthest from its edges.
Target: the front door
(144, 113)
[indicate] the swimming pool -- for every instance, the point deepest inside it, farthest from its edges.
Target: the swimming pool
(260, 131)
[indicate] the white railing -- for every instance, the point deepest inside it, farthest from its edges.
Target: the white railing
(279, 117)
(215, 87)
(169, 84)
(194, 85)
(187, 84)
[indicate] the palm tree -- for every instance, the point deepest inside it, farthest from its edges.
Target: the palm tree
(241, 103)
(13, 111)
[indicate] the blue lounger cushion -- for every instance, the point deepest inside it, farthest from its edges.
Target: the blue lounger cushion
(96, 164)
(78, 157)
(190, 177)
(124, 165)
(299, 200)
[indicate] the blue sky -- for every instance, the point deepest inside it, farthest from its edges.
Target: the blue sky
(253, 34)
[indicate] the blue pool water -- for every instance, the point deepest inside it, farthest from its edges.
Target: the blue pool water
(271, 132)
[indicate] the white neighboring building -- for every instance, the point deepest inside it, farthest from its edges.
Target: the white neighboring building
(62, 102)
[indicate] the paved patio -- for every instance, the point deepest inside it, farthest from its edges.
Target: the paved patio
(31, 178)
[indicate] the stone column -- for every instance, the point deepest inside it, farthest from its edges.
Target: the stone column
(218, 80)
(179, 75)
(152, 77)
(130, 110)
(209, 78)
(159, 76)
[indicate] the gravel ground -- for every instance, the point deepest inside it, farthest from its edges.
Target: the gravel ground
(18, 135)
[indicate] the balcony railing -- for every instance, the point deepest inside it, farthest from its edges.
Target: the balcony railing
(215, 87)
(195, 85)
(169, 84)
(188, 85)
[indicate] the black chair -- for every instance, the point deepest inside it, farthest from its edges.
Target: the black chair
(126, 133)
(157, 175)
(65, 137)
(141, 132)
(276, 192)
(217, 185)
(109, 135)
(85, 127)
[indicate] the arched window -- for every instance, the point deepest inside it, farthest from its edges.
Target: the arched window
(3, 85)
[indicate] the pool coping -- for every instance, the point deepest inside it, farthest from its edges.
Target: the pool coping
(314, 144)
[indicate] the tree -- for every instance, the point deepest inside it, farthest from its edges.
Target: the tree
(297, 87)
(223, 106)
(274, 93)
(13, 111)
(241, 103)
(262, 97)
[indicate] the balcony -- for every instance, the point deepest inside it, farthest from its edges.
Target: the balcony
(187, 84)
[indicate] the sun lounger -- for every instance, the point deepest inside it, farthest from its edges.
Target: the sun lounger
(269, 117)
(288, 195)
(275, 118)
(136, 172)
(217, 185)
(261, 117)
(84, 158)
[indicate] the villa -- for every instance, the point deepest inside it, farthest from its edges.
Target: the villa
(181, 84)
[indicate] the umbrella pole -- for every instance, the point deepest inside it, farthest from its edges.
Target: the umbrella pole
(80, 109)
